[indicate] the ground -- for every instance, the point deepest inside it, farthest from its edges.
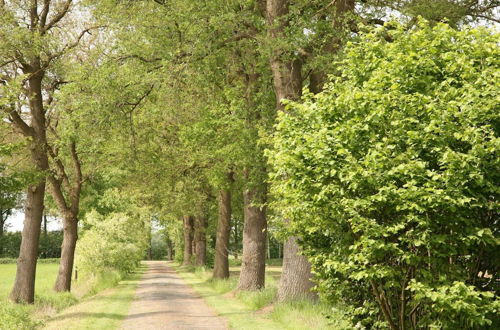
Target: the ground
(164, 301)
(163, 295)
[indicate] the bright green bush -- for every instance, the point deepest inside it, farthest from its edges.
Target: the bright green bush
(113, 242)
(16, 317)
(391, 178)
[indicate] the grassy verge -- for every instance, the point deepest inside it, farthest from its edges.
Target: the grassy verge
(103, 311)
(47, 302)
(257, 310)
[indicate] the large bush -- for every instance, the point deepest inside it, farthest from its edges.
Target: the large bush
(116, 241)
(391, 178)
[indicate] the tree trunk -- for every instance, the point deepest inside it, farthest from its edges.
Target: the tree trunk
(45, 225)
(170, 254)
(253, 267)
(70, 235)
(295, 282)
(24, 284)
(287, 79)
(221, 268)
(3, 218)
(188, 240)
(200, 238)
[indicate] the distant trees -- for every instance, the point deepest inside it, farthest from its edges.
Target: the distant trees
(390, 176)
(49, 247)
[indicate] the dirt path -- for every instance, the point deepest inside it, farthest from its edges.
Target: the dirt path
(163, 301)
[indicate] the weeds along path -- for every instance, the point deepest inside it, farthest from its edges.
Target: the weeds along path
(164, 301)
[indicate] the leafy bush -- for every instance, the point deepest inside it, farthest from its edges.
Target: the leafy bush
(116, 241)
(16, 317)
(5, 261)
(390, 176)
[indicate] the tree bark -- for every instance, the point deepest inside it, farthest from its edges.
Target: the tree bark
(24, 284)
(188, 240)
(170, 252)
(342, 8)
(221, 268)
(253, 267)
(295, 280)
(70, 236)
(45, 225)
(200, 238)
(287, 78)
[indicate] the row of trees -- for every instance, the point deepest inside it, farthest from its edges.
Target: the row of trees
(173, 104)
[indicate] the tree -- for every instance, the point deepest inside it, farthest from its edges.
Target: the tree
(391, 177)
(221, 266)
(188, 239)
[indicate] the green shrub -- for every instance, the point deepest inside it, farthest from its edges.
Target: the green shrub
(4, 261)
(48, 260)
(115, 242)
(16, 317)
(390, 177)
(234, 262)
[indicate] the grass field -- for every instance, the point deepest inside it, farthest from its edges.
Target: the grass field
(45, 279)
(49, 303)
(258, 310)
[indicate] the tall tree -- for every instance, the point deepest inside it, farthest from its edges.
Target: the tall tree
(34, 36)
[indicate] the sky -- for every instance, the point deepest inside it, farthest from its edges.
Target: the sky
(15, 222)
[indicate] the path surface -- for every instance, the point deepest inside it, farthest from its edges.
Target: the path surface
(164, 301)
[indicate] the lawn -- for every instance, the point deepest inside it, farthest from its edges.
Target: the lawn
(258, 310)
(45, 278)
(87, 314)
(47, 302)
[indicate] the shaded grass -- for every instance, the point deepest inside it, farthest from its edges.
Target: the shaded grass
(258, 310)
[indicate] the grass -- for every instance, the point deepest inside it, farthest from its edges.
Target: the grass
(258, 310)
(47, 302)
(103, 311)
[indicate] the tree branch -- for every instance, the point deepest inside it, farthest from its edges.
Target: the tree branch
(75, 192)
(52, 57)
(60, 15)
(33, 14)
(44, 13)
(60, 166)
(20, 123)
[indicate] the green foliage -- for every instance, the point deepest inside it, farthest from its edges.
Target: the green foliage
(113, 242)
(49, 245)
(6, 261)
(390, 176)
(16, 317)
(158, 245)
(11, 181)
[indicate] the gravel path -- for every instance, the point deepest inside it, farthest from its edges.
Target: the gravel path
(164, 301)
